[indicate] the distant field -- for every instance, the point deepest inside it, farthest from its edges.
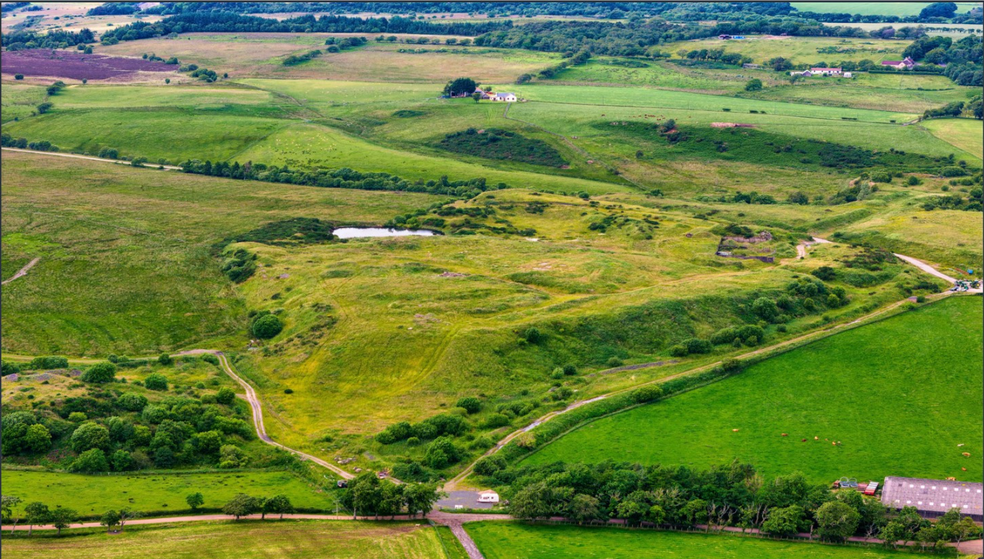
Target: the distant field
(93, 495)
(261, 55)
(874, 8)
(246, 540)
(954, 30)
(964, 133)
(761, 48)
(20, 101)
(510, 540)
(853, 388)
(98, 227)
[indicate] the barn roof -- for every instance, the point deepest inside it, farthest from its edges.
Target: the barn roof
(933, 495)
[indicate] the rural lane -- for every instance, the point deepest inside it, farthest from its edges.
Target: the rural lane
(90, 158)
(22, 272)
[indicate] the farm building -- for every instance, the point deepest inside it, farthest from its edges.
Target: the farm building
(826, 71)
(488, 497)
(507, 97)
(933, 497)
(906, 63)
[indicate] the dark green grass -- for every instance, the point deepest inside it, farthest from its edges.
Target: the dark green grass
(493, 143)
(509, 540)
(900, 395)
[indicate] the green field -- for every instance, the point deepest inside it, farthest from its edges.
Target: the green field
(507, 540)
(873, 8)
(965, 134)
(161, 493)
(248, 540)
(761, 48)
(878, 391)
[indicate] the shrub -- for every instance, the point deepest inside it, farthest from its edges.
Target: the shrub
(679, 350)
(471, 404)
(697, 345)
(90, 462)
(210, 358)
(18, 76)
(156, 381)
(267, 326)
(77, 417)
(100, 373)
(532, 335)
(570, 370)
(88, 436)
(165, 360)
(490, 465)
(49, 362)
(647, 393)
(225, 395)
(132, 402)
(825, 273)
(496, 420)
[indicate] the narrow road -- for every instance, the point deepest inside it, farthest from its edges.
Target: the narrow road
(22, 272)
(90, 158)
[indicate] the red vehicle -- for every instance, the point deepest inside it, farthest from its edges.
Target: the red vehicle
(871, 488)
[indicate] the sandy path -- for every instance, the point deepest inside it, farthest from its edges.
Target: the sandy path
(148, 165)
(22, 272)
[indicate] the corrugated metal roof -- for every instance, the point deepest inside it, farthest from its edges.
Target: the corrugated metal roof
(933, 495)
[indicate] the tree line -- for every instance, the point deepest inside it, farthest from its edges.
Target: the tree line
(54, 39)
(730, 495)
(339, 178)
(225, 21)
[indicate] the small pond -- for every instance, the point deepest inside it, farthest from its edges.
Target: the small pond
(360, 232)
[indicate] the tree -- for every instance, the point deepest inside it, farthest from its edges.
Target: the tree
(471, 404)
(225, 395)
(100, 373)
(242, 505)
(892, 533)
(656, 514)
(132, 402)
(7, 505)
(533, 501)
(36, 514)
(195, 500)
(90, 435)
(18, 76)
(63, 518)
(365, 494)
(476, 96)
(92, 461)
(121, 461)
(267, 326)
(766, 309)
(156, 381)
(165, 360)
(167, 81)
(459, 87)
(279, 504)
(695, 511)
(938, 9)
(798, 198)
(780, 64)
(420, 497)
(753, 84)
(837, 521)
(37, 439)
(584, 508)
(532, 335)
(784, 521)
(110, 519)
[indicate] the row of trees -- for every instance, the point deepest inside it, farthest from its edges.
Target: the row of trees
(730, 495)
(221, 20)
(339, 178)
(54, 39)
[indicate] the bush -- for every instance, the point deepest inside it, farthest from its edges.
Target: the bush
(614, 362)
(165, 360)
(679, 350)
(489, 465)
(532, 335)
(570, 370)
(225, 395)
(100, 373)
(496, 420)
(210, 358)
(471, 404)
(697, 345)
(49, 362)
(825, 273)
(18, 76)
(90, 462)
(88, 436)
(267, 326)
(647, 393)
(156, 381)
(132, 402)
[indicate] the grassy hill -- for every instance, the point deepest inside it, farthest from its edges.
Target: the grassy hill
(881, 392)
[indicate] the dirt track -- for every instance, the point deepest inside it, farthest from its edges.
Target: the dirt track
(90, 158)
(22, 272)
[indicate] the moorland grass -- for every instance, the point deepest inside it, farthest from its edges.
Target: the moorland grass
(126, 254)
(509, 540)
(289, 539)
(799, 49)
(883, 392)
(160, 492)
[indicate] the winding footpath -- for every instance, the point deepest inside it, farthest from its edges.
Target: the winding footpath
(22, 272)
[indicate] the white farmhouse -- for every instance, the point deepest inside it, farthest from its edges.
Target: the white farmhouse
(488, 497)
(507, 97)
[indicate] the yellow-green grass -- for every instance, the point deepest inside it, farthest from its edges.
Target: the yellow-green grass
(314, 146)
(20, 100)
(874, 8)
(898, 397)
(798, 49)
(865, 93)
(512, 540)
(406, 340)
(261, 55)
(963, 133)
(126, 254)
(655, 74)
(187, 96)
(270, 539)
(160, 493)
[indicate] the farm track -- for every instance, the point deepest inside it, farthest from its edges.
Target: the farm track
(89, 157)
(452, 484)
(22, 272)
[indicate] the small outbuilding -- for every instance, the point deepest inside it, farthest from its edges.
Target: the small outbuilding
(933, 497)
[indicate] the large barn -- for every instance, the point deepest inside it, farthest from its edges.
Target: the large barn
(933, 497)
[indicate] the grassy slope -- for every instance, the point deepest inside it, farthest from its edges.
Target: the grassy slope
(91, 495)
(125, 253)
(799, 49)
(873, 8)
(965, 134)
(507, 540)
(244, 540)
(882, 390)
